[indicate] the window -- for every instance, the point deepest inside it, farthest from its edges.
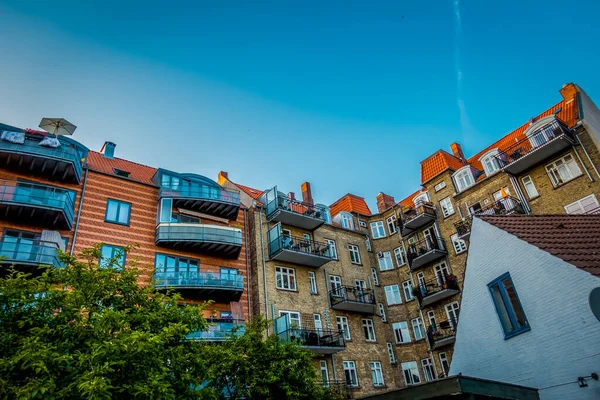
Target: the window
(354, 254)
(418, 329)
(332, 248)
(391, 224)
(563, 170)
(421, 279)
(312, 280)
(463, 179)
(445, 363)
(428, 371)
(401, 332)
(117, 212)
(587, 205)
(408, 290)
(324, 373)
(377, 229)
(391, 354)
(120, 172)
(342, 325)
(490, 162)
(475, 208)
(392, 295)
(441, 273)
(369, 330)
(376, 373)
(420, 199)
(318, 324)
(285, 278)
(385, 261)
(411, 373)
(400, 256)
(459, 244)
(347, 221)
(335, 282)
(360, 284)
(350, 373)
(382, 312)
(174, 264)
(447, 208)
(114, 255)
(440, 186)
(375, 278)
(508, 307)
(293, 318)
(368, 244)
(431, 318)
(166, 210)
(529, 187)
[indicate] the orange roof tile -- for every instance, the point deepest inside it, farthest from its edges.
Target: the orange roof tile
(437, 163)
(254, 193)
(408, 201)
(138, 172)
(350, 203)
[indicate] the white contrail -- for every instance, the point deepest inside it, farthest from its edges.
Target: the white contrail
(464, 118)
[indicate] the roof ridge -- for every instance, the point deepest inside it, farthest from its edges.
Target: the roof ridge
(122, 159)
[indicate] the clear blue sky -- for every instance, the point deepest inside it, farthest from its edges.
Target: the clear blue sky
(350, 96)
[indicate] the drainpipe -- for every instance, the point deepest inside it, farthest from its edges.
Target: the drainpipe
(520, 194)
(264, 267)
(247, 263)
(587, 155)
(582, 164)
(333, 368)
(87, 171)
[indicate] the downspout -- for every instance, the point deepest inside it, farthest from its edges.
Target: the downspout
(264, 267)
(87, 171)
(520, 194)
(247, 263)
(582, 164)
(586, 153)
(333, 368)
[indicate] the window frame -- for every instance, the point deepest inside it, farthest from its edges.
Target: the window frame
(119, 203)
(391, 222)
(556, 171)
(439, 186)
(449, 207)
(578, 202)
(455, 240)
(345, 329)
(188, 261)
(376, 373)
(347, 221)
(412, 375)
(427, 366)
(419, 326)
(382, 312)
(444, 362)
(353, 249)
(466, 171)
(508, 306)
(408, 289)
(388, 257)
(377, 226)
(353, 371)
(312, 282)
(404, 332)
(490, 155)
(374, 276)
(391, 355)
(288, 274)
(114, 248)
(537, 194)
(400, 251)
(387, 297)
(333, 246)
(369, 330)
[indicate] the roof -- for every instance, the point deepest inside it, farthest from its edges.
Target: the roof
(254, 193)
(572, 238)
(137, 172)
(350, 203)
(437, 163)
(408, 201)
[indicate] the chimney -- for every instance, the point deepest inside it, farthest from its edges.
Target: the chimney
(108, 149)
(306, 193)
(384, 201)
(568, 92)
(457, 151)
(292, 195)
(223, 177)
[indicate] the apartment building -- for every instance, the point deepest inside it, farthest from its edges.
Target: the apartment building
(189, 231)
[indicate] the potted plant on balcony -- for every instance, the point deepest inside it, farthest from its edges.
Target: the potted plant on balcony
(451, 282)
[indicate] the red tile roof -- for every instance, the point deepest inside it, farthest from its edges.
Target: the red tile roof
(437, 163)
(350, 203)
(254, 193)
(573, 238)
(138, 172)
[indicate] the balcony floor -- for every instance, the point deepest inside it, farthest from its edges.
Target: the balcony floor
(430, 256)
(301, 258)
(207, 206)
(448, 340)
(294, 219)
(324, 349)
(14, 157)
(218, 294)
(34, 214)
(538, 155)
(354, 306)
(417, 223)
(437, 296)
(215, 240)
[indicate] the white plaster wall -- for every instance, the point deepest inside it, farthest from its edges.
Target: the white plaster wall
(591, 115)
(564, 340)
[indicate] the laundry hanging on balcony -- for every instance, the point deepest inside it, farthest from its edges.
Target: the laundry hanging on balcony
(50, 142)
(13, 137)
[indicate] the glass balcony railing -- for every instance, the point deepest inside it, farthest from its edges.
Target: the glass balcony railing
(198, 280)
(298, 250)
(200, 192)
(220, 329)
(204, 238)
(289, 211)
(24, 252)
(55, 205)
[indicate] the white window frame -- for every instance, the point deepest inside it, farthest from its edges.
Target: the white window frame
(368, 244)
(420, 199)
(392, 294)
(431, 318)
(351, 367)
(375, 277)
(318, 323)
(407, 288)
(401, 332)
(418, 328)
(452, 312)
(444, 363)
(335, 282)
(410, 370)
(446, 206)
(354, 254)
(439, 186)
(391, 355)
(463, 178)
(526, 180)
(391, 224)
(369, 330)
(442, 271)
(382, 312)
(579, 203)
(460, 246)
(343, 326)
(400, 256)
(347, 221)
(428, 371)
(324, 373)
(332, 248)
(384, 258)
(312, 281)
(377, 230)
(289, 314)
(570, 169)
(288, 276)
(376, 373)
(490, 156)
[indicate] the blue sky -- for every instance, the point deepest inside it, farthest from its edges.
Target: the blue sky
(350, 96)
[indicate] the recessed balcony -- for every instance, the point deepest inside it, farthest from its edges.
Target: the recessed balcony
(218, 240)
(315, 339)
(463, 229)
(205, 199)
(219, 330)
(205, 285)
(417, 217)
(28, 254)
(443, 287)
(425, 251)
(35, 204)
(292, 212)
(547, 138)
(300, 251)
(348, 298)
(442, 334)
(35, 154)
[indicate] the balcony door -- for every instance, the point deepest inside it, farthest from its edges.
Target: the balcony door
(452, 310)
(19, 246)
(229, 276)
(318, 324)
(506, 203)
(335, 282)
(431, 238)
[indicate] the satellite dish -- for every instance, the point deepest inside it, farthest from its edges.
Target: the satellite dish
(595, 302)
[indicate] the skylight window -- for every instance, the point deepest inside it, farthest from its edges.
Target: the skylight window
(120, 172)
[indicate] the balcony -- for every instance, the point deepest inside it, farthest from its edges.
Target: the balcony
(205, 285)
(28, 253)
(203, 199)
(443, 334)
(299, 250)
(438, 289)
(288, 211)
(218, 240)
(219, 330)
(417, 217)
(36, 204)
(505, 206)
(27, 152)
(425, 251)
(548, 137)
(349, 298)
(338, 388)
(317, 340)
(463, 229)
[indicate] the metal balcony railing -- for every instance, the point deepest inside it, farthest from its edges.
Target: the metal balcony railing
(504, 206)
(286, 203)
(198, 280)
(422, 209)
(441, 287)
(300, 245)
(220, 329)
(424, 251)
(463, 228)
(15, 251)
(351, 294)
(442, 333)
(315, 338)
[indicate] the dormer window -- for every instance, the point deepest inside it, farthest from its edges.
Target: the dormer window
(490, 162)
(420, 199)
(463, 178)
(347, 221)
(120, 172)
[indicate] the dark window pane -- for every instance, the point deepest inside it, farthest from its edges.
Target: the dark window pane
(502, 310)
(514, 303)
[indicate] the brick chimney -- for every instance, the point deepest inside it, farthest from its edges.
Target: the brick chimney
(457, 151)
(384, 201)
(223, 177)
(292, 195)
(306, 193)
(568, 91)
(108, 149)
